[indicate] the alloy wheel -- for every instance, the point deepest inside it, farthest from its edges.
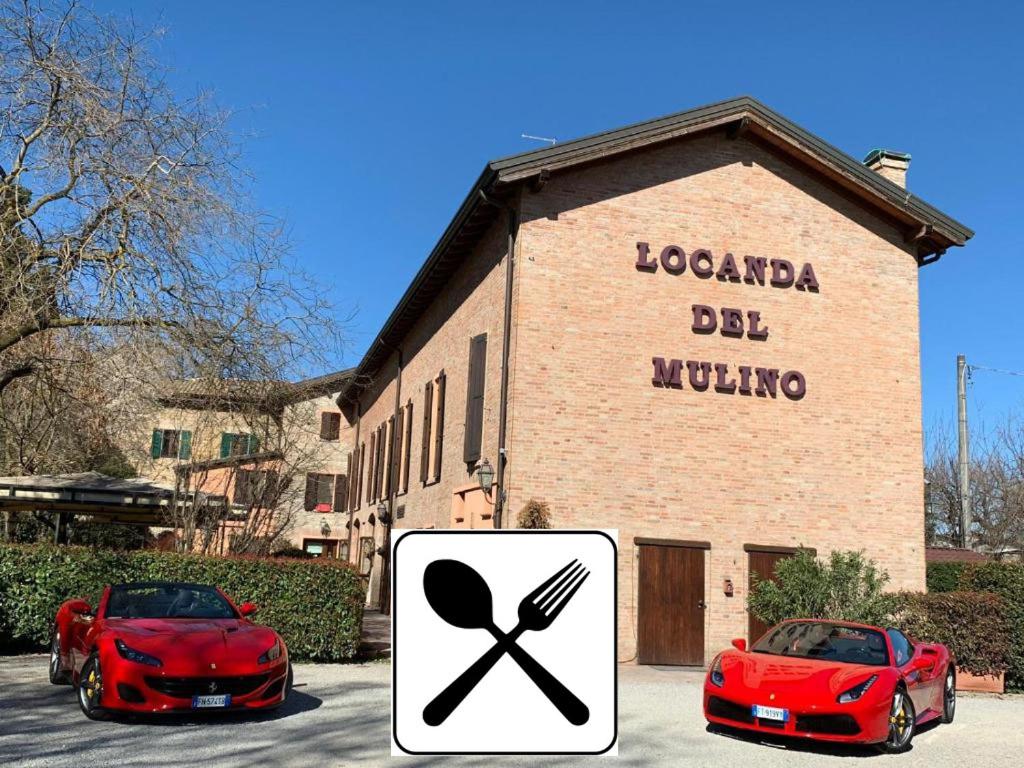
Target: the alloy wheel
(949, 697)
(90, 687)
(901, 723)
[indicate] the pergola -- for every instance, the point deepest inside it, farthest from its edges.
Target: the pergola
(132, 501)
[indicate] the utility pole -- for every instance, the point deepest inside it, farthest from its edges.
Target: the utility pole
(963, 456)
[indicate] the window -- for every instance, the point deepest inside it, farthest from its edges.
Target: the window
(320, 547)
(330, 425)
(433, 430)
(407, 419)
(475, 399)
(255, 488)
(902, 650)
(238, 444)
(325, 493)
(171, 444)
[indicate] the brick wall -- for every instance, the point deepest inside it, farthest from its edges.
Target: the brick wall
(590, 435)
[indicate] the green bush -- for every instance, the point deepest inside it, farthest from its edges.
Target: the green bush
(317, 606)
(848, 587)
(971, 624)
(944, 577)
(1007, 581)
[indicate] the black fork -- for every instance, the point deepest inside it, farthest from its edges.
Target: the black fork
(537, 611)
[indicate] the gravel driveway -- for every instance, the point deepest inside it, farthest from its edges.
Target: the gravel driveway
(339, 715)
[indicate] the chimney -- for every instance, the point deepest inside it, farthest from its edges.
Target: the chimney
(891, 165)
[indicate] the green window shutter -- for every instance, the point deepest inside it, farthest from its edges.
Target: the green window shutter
(185, 445)
(226, 439)
(254, 444)
(158, 443)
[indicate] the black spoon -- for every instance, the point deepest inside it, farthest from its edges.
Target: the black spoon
(460, 596)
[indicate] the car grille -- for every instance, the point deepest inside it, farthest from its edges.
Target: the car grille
(838, 725)
(187, 687)
(729, 710)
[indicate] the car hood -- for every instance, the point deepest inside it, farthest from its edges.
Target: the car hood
(783, 675)
(208, 640)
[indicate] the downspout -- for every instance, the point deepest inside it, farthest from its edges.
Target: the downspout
(393, 480)
(354, 484)
(513, 229)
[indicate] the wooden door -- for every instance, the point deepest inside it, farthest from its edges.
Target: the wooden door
(762, 565)
(670, 605)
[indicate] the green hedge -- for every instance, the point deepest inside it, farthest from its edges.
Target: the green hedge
(317, 606)
(1007, 581)
(944, 577)
(971, 624)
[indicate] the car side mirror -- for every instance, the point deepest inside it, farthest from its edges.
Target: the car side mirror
(922, 663)
(739, 644)
(80, 607)
(248, 609)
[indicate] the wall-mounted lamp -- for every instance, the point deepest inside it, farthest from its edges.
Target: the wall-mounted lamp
(728, 588)
(325, 528)
(485, 474)
(382, 513)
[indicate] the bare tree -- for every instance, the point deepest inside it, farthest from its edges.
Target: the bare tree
(123, 213)
(997, 487)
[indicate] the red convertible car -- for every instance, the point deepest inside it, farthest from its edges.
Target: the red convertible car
(163, 647)
(832, 681)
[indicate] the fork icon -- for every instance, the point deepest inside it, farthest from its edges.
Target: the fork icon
(460, 596)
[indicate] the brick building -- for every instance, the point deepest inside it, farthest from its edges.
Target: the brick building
(710, 323)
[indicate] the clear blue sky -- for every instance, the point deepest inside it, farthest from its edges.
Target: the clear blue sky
(369, 121)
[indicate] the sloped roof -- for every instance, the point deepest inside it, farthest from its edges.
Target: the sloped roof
(931, 230)
(266, 395)
(954, 555)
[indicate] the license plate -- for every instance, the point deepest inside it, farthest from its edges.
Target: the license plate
(770, 713)
(211, 702)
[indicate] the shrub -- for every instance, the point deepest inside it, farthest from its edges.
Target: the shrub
(317, 606)
(848, 587)
(534, 514)
(944, 577)
(1007, 581)
(301, 554)
(971, 624)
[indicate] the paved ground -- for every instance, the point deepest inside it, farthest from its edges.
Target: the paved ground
(338, 715)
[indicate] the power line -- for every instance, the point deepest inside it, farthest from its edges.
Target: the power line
(973, 367)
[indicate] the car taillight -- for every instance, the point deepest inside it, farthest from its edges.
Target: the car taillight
(857, 691)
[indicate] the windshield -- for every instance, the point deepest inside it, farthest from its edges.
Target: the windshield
(168, 601)
(829, 642)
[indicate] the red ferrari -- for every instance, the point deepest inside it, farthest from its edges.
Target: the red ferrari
(832, 681)
(163, 647)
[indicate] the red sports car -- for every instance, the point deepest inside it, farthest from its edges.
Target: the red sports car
(162, 647)
(833, 681)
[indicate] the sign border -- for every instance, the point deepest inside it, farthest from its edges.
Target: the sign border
(505, 532)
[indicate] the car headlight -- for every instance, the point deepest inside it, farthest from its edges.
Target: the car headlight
(857, 691)
(138, 657)
(272, 654)
(716, 676)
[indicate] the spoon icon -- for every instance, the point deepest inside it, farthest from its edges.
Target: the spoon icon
(460, 596)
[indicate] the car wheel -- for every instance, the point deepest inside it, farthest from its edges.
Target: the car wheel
(902, 719)
(949, 696)
(90, 688)
(58, 675)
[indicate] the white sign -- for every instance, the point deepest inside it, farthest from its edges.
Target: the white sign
(504, 642)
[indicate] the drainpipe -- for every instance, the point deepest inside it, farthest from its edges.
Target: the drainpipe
(385, 571)
(513, 229)
(354, 484)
